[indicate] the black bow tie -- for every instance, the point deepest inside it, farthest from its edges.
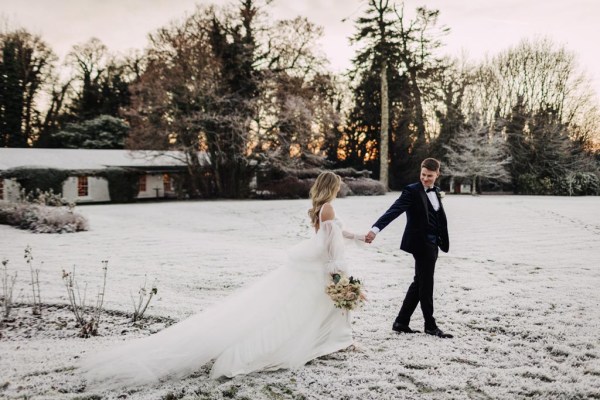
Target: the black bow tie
(430, 190)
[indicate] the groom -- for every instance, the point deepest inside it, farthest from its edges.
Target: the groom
(426, 230)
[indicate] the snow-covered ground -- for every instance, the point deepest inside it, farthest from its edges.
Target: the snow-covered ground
(520, 290)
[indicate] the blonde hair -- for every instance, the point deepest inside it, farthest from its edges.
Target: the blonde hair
(323, 191)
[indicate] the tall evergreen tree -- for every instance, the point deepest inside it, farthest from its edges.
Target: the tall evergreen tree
(234, 47)
(103, 132)
(419, 39)
(406, 50)
(453, 82)
(25, 65)
(380, 53)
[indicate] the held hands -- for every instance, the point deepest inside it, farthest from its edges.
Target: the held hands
(370, 237)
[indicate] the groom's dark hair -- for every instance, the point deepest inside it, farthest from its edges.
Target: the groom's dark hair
(431, 164)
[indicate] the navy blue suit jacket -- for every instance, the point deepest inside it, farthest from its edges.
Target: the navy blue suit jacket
(413, 201)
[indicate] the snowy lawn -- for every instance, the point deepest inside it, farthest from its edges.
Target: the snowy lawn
(520, 290)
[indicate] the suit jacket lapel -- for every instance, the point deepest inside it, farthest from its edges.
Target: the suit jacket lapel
(424, 200)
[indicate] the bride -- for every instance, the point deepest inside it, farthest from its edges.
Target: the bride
(283, 320)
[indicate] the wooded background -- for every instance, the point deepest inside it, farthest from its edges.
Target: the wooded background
(256, 93)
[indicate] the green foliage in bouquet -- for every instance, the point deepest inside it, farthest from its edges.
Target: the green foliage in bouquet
(346, 292)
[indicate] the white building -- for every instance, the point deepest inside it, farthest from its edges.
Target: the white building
(157, 170)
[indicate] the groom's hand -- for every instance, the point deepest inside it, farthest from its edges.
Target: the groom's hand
(370, 237)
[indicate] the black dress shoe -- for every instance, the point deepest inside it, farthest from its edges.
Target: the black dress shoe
(439, 333)
(401, 328)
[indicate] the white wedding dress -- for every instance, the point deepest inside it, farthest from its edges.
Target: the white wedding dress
(283, 320)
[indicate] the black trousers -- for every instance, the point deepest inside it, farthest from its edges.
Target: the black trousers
(421, 288)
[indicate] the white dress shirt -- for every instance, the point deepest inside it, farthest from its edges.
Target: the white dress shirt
(433, 199)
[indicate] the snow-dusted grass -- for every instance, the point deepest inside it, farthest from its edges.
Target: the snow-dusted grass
(520, 289)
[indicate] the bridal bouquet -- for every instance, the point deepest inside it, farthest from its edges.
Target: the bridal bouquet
(345, 292)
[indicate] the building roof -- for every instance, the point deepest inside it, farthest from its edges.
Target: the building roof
(91, 159)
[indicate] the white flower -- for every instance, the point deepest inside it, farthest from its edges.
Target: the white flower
(442, 194)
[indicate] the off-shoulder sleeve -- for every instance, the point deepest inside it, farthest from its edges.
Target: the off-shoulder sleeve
(334, 243)
(355, 238)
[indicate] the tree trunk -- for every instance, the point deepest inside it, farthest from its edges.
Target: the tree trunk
(473, 187)
(193, 165)
(384, 139)
(419, 114)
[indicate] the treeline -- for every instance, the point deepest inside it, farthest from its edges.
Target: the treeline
(254, 93)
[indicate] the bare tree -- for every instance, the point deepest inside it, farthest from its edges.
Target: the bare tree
(176, 95)
(478, 153)
(89, 61)
(295, 109)
(539, 75)
(419, 40)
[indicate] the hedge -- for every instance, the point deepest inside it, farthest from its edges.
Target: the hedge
(122, 183)
(44, 179)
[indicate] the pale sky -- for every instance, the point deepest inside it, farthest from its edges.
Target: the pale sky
(478, 27)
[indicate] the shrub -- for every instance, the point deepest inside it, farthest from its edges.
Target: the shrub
(8, 286)
(344, 190)
(143, 301)
(87, 317)
(352, 173)
(289, 187)
(274, 173)
(309, 173)
(48, 198)
(297, 183)
(42, 219)
(41, 179)
(579, 184)
(365, 187)
(279, 182)
(571, 184)
(122, 183)
(35, 282)
(534, 184)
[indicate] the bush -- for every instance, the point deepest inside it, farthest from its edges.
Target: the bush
(365, 187)
(533, 184)
(122, 184)
(42, 212)
(42, 179)
(352, 173)
(42, 219)
(572, 184)
(289, 187)
(579, 184)
(273, 173)
(279, 183)
(344, 190)
(310, 173)
(45, 198)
